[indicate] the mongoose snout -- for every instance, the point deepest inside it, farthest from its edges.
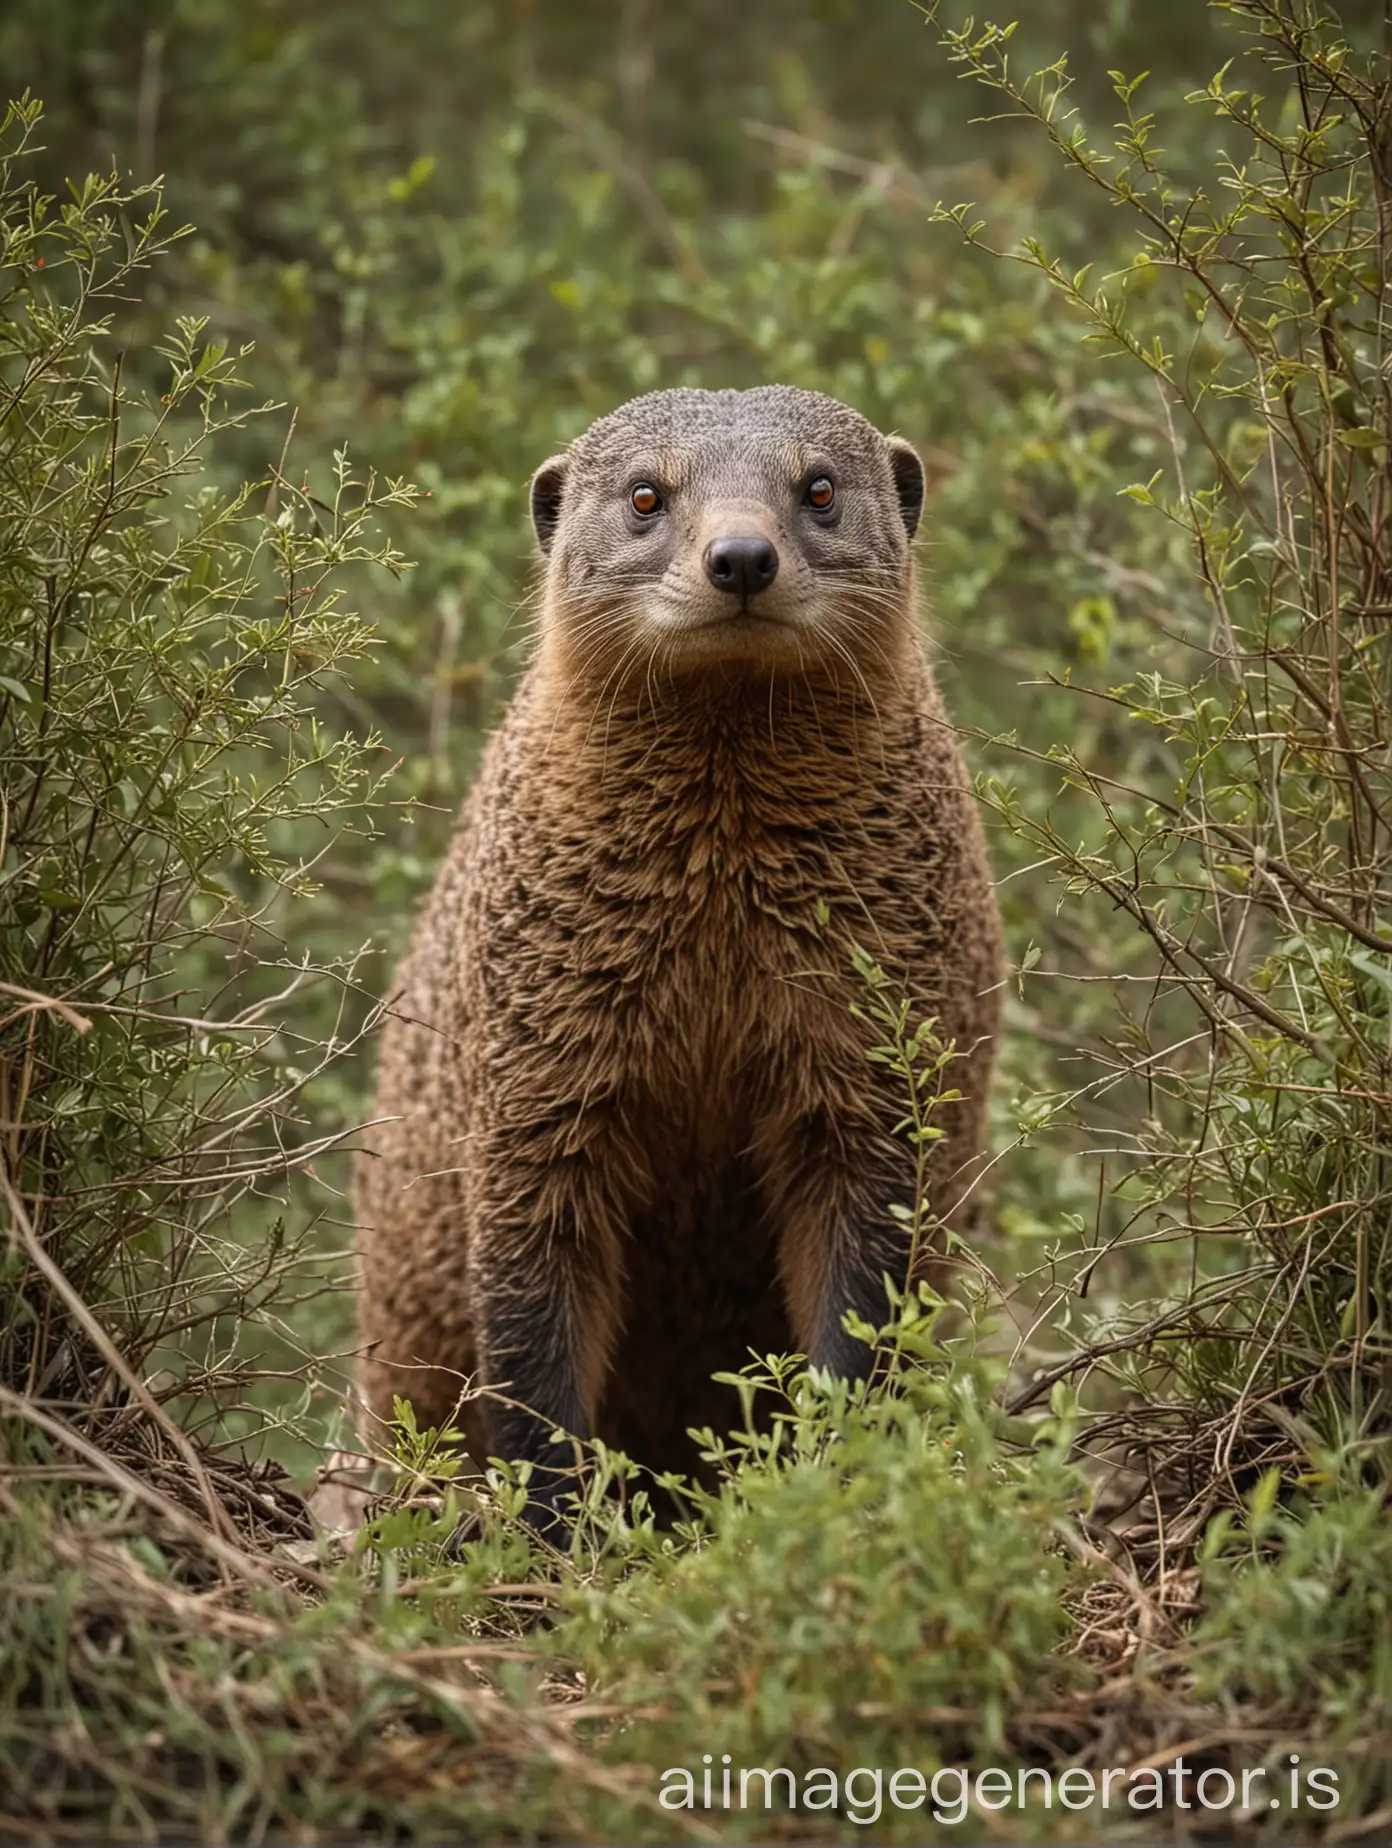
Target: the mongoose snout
(635, 1131)
(741, 566)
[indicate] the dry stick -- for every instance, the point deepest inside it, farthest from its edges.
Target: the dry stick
(1175, 1323)
(35, 1003)
(1223, 1450)
(113, 1357)
(836, 160)
(476, 1704)
(1201, 1742)
(1094, 1086)
(1317, 901)
(472, 1703)
(1174, 950)
(278, 472)
(1357, 1826)
(236, 1558)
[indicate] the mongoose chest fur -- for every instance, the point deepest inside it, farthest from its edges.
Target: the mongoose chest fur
(632, 1130)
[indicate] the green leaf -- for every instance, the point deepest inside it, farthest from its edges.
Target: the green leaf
(1263, 1496)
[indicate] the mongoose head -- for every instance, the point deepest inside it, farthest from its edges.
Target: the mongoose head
(769, 528)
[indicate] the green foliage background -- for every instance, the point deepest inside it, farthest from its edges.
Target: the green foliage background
(455, 243)
(446, 238)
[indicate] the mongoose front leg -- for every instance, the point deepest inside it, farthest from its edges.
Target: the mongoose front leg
(860, 1254)
(545, 1285)
(832, 1185)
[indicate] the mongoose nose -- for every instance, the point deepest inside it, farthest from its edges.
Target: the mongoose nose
(741, 566)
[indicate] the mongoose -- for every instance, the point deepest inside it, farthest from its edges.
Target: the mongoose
(637, 1132)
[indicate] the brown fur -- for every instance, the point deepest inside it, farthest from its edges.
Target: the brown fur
(637, 1131)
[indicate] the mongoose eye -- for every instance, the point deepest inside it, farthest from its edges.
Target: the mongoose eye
(821, 492)
(645, 499)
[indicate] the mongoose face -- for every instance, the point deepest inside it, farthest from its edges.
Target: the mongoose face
(767, 528)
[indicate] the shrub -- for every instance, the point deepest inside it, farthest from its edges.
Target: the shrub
(166, 791)
(1253, 859)
(1298, 1605)
(879, 1581)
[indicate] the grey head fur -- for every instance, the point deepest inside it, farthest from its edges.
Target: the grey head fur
(636, 516)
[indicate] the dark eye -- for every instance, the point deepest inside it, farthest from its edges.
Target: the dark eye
(645, 499)
(821, 492)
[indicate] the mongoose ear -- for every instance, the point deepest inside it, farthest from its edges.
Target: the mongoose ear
(908, 479)
(548, 487)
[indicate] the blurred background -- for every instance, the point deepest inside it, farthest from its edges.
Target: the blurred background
(451, 233)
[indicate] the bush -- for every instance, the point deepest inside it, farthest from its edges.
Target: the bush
(167, 790)
(1253, 862)
(1298, 1605)
(878, 1582)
